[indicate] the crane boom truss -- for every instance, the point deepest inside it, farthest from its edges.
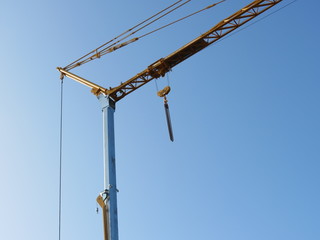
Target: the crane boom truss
(162, 66)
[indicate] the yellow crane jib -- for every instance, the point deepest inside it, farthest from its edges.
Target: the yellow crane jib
(162, 66)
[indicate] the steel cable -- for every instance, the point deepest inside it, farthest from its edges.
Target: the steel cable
(74, 63)
(60, 157)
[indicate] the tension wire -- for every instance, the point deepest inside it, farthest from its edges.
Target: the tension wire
(60, 156)
(80, 61)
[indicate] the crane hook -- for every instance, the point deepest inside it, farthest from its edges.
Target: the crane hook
(163, 93)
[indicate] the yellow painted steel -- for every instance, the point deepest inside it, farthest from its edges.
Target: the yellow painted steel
(105, 216)
(162, 66)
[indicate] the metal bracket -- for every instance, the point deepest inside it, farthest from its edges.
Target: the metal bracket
(105, 194)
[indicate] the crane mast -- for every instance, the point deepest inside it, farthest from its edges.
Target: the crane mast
(109, 96)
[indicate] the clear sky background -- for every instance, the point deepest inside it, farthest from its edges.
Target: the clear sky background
(245, 115)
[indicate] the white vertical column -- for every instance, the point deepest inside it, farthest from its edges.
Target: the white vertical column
(108, 109)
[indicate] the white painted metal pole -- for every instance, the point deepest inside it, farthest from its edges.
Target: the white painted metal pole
(108, 109)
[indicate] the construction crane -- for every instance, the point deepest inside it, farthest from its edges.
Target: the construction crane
(109, 96)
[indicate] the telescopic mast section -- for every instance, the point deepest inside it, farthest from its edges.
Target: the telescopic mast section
(109, 96)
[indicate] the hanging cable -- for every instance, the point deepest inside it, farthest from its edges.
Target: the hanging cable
(60, 158)
(78, 62)
(166, 109)
(168, 79)
(156, 83)
(168, 118)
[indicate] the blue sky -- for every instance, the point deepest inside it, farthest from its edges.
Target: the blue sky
(245, 115)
